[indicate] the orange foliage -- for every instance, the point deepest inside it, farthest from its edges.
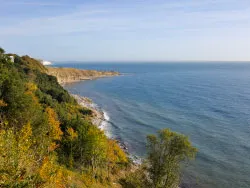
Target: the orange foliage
(53, 146)
(2, 103)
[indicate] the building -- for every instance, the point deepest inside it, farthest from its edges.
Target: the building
(46, 62)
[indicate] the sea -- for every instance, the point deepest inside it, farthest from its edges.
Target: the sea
(207, 101)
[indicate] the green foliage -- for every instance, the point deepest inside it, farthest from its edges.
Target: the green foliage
(49, 85)
(32, 63)
(165, 155)
(2, 51)
(18, 163)
(137, 178)
(46, 138)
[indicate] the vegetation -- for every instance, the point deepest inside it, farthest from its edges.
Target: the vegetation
(166, 154)
(48, 140)
(2, 51)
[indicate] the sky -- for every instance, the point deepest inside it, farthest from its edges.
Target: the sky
(127, 30)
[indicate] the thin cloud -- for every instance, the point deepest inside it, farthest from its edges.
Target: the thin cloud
(31, 3)
(186, 26)
(86, 19)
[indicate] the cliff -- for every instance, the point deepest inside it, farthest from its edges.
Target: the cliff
(65, 75)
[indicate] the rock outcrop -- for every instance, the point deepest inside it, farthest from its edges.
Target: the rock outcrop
(65, 75)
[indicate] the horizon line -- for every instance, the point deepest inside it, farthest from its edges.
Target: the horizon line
(152, 61)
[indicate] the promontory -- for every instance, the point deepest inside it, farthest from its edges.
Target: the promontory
(65, 75)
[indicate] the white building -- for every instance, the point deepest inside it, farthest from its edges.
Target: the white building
(46, 62)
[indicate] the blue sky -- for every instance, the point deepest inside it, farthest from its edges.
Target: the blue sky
(127, 30)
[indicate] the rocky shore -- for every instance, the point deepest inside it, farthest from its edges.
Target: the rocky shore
(98, 115)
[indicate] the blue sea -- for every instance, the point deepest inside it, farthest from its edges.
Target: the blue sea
(208, 102)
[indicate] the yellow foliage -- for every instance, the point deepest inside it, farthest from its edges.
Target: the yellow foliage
(17, 159)
(88, 179)
(52, 174)
(56, 176)
(55, 130)
(115, 154)
(71, 134)
(30, 89)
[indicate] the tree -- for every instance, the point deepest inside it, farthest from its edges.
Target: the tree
(18, 166)
(95, 149)
(2, 51)
(114, 155)
(72, 135)
(55, 132)
(166, 152)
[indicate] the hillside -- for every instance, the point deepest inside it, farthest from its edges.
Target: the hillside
(46, 138)
(71, 75)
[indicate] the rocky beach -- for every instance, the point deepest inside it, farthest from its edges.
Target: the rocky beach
(98, 114)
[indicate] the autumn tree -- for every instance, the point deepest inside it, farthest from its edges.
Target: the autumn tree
(55, 132)
(72, 135)
(18, 166)
(114, 155)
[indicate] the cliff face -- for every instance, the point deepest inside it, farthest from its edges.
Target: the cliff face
(65, 75)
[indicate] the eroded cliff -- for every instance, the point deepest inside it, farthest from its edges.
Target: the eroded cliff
(65, 75)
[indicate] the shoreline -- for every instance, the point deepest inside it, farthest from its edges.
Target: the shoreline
(100, 119)
(98, 114)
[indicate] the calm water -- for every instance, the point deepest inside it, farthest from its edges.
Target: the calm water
(208, 102)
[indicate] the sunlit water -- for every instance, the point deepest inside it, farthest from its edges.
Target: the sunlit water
(208, 102)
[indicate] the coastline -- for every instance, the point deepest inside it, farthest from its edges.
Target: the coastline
(69, 75)
(98, 115)
(99, 119)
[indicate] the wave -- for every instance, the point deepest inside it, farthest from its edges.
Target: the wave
(136, 159)
(106, 116)
(105, 125)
